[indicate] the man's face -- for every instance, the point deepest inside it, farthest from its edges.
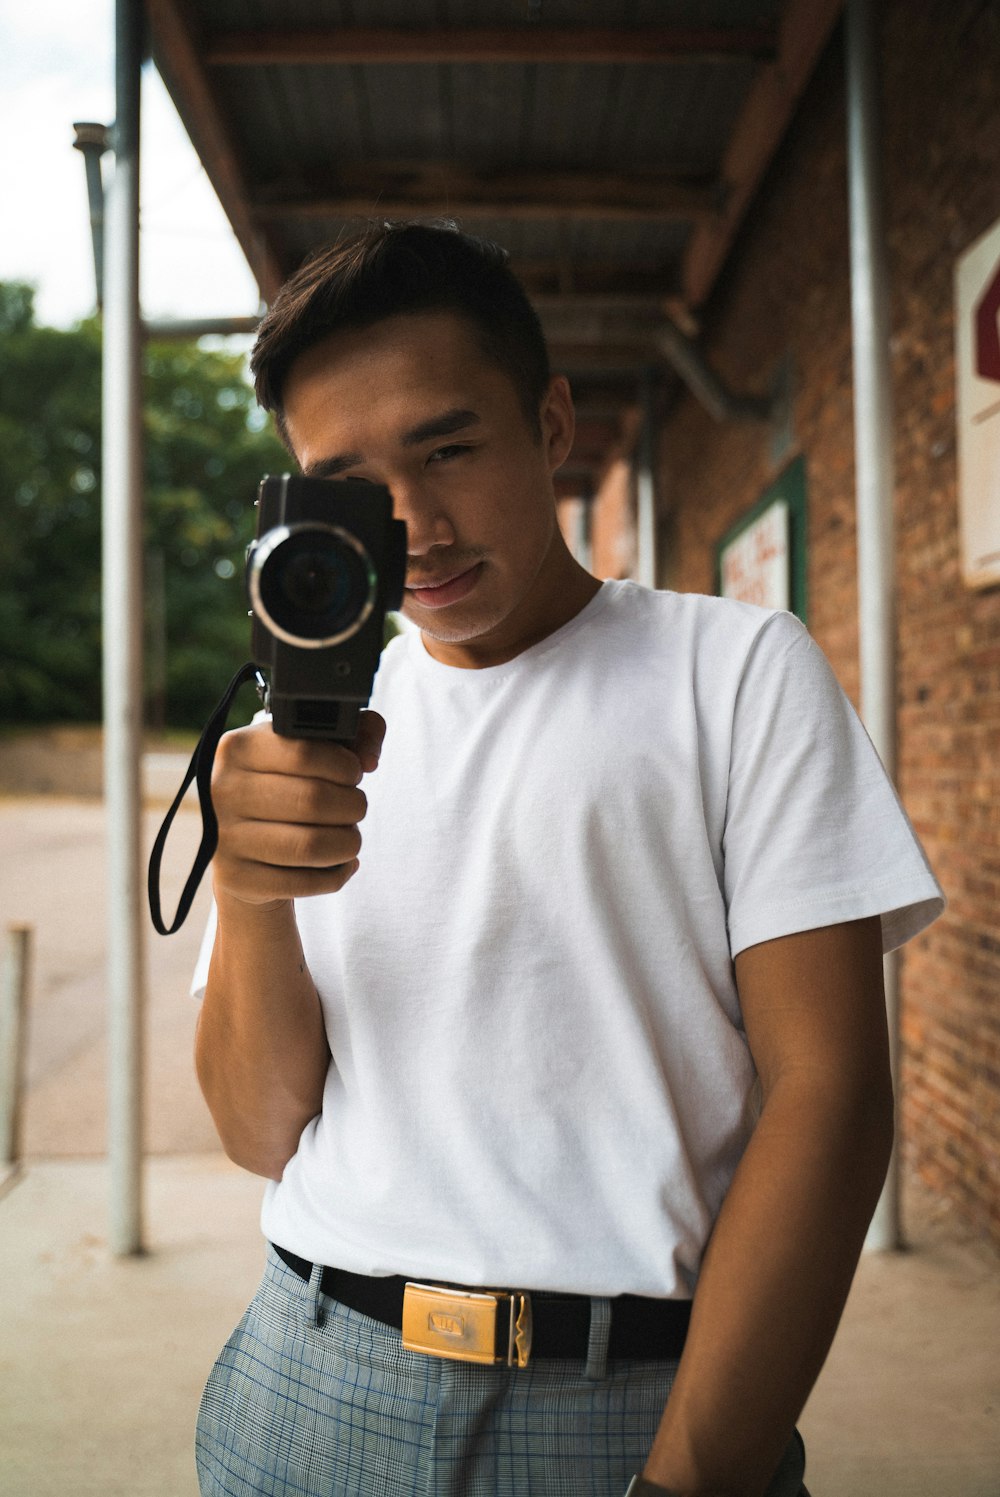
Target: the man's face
(413, 402)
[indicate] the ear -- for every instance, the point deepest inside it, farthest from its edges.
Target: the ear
(558, 421)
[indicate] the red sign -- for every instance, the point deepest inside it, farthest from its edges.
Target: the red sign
(977, 372)
(987, 315)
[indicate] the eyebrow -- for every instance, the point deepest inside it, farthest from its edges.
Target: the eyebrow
(445, 425)
(440, 426)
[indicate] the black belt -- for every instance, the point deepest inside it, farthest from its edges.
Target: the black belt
(641, 1328)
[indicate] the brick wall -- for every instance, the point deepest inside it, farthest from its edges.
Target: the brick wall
(786, 293)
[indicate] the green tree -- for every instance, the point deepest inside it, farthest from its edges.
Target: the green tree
(206, 450)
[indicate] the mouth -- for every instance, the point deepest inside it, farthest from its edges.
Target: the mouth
(447, 590)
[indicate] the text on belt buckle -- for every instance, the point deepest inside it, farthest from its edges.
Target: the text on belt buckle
(461, 1324)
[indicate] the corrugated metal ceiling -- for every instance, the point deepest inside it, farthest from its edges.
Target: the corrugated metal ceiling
(614, 149)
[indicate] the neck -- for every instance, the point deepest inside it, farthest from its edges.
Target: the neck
(562, 589)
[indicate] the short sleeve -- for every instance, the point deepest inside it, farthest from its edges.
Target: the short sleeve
(815, 833)
(200, 979)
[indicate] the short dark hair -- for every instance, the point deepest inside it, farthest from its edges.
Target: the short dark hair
(391, 269)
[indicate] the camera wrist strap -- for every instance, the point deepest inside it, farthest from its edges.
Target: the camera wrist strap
(199, 770)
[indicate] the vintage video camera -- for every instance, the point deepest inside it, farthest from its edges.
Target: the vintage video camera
(328, 563)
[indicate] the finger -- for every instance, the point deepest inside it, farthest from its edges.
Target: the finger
(282, 846)
(368, 744)
(255, 796)
(259, 883)
(259, 748)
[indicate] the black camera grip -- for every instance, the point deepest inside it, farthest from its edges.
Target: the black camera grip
(199, 769)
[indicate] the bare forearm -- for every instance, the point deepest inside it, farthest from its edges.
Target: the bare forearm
(775, 1278)
(261, 1052)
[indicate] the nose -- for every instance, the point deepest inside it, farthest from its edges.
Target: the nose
(427, 525)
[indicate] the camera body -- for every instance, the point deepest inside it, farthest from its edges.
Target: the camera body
(327, 564)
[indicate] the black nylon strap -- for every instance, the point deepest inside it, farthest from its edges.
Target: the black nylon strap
(199, 769)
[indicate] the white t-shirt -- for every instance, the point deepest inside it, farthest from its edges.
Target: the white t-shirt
(540, 1077)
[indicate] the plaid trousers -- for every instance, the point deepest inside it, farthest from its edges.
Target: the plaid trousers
(311, 1399)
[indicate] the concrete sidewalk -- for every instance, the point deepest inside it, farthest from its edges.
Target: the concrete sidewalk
(102, 1361)
(52, 877)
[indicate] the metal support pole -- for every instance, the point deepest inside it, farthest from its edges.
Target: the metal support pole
(123, 632)
(874, 464)
(92, 140)
(200, 327)
(13, 1031)
(645, 493)
(688, 360)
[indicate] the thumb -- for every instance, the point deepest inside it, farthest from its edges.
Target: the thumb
(368, 744)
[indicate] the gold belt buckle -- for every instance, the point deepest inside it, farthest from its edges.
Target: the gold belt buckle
(461, 1324)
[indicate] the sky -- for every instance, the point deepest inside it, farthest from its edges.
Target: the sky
(57, 67)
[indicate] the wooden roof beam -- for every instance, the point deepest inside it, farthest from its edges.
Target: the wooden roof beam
(394, 190)
(600, 320)
(486, 44)
(382, 206)
(582, 359)
(767, 111)
(179, 62)
(555, 276)
(608, 409)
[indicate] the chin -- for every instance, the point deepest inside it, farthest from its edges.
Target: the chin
(452, 632)
(466, 621)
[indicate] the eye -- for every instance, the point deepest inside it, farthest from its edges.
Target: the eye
(449, 453)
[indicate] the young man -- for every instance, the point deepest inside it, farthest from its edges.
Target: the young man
(625, 854)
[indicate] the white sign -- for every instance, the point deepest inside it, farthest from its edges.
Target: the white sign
(977, 358)
(755, 565)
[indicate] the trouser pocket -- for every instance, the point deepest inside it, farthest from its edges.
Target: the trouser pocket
(787, 1480)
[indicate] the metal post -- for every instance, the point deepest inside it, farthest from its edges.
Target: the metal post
(689, 362)
(13, 1030)
(92, 140)
(875, 475)
(155, 694)
(200, 327)
(123, 631)
(645, 493)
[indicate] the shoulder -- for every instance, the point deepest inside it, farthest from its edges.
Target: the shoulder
(704, 610)
(697, 626)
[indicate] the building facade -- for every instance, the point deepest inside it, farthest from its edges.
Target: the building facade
(781, 314)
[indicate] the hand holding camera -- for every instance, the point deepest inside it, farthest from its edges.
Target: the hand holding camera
(327, 563)
(280, 816)
(288, 812)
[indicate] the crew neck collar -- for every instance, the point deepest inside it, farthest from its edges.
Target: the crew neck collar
(426, 662)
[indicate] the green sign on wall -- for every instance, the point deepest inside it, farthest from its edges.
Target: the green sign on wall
(762, 558)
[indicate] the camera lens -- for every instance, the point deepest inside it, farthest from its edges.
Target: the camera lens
(311, 582)
(312, 585)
